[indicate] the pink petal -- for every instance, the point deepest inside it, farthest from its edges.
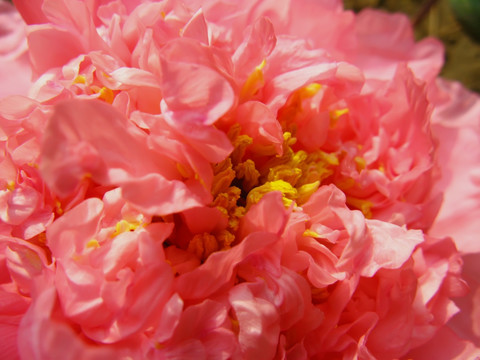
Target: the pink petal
(51, 47)
(195, 93)
(258, 321)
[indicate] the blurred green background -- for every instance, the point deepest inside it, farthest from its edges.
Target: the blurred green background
(455, 22)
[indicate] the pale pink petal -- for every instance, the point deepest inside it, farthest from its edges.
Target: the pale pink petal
(259, 43)
(219, 267)
(50, 47)
(195, 93)
(456, 125)
(392, 246)
(258, 322)
(14, 66)
(196, 28)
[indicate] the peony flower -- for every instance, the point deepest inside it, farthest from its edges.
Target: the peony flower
(233, 180)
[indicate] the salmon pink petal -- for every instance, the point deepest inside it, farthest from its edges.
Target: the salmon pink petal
(80, 151)
(169, 319)
(154, 194)
(446, 345)
(14, 68)
(219, 268)
(278, 179)
(41, 337)
(51, 47)
(258, 322)
(16, 206)
(196, 28)
(461, 174)
(195, 93)
(82, 223)
(255, 48)
(258, 122)
(377, 33)
(269, 215)
(31, 11)
(24, 261)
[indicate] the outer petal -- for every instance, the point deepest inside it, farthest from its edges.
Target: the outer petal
(456, 125)
(31, 11)
(14, 67)
(106, 148)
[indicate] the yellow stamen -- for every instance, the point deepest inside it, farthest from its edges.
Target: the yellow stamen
(254, 82)
(11, 185)
(311, 233)
(80, 79)
(365, 206)
(92, 244)
(58, 207)
(106, 95)
(246, 171)
(226, 238)
(305, 191)
(202, 245)
(224, 176)
(309, 91)
(124, 226)
(289, 193)
(335, 114)
(360, 162)
(240, 143)
(183, 170)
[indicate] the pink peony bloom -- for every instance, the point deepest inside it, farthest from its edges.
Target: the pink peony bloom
(233, 180)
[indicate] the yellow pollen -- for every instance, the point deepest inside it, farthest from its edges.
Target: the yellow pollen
(254, 82)
(242, 179)
(241, 143)
(331, 159)
(335, 114)
(163, 14)
(92, 244)
(224, 176)
(80, 79)
(105, 93)
(309, 90)
(289, 193)
(288, 139)
(365, 206)
(124, 226)
(286, 173)
(247, 171)
(182, 170)
(226, 238)
(305, 191)
(11, 185)
(58, 207)
(202, 245)
(360, 162)
(311, 233)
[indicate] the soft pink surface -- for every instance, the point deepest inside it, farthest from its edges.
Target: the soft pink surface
(115, 241)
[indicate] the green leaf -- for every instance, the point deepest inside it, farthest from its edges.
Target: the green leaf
(467, 13)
